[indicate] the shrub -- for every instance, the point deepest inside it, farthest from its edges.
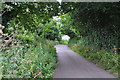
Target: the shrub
(64, 42)
(35, 61)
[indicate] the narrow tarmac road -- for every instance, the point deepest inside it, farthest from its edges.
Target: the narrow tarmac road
(72, 65)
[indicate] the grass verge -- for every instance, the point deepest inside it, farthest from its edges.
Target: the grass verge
(103, 58)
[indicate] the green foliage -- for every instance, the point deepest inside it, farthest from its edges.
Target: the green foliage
(26, 37)
(67, 26)
(29, 14)
(50, 30)
(105, 59)
(64, 42)
(32, 56)
(22, 61)
(98, 23)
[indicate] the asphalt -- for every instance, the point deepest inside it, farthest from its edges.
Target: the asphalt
(72, 65)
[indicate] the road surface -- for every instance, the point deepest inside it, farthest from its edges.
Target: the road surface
(72, 65)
